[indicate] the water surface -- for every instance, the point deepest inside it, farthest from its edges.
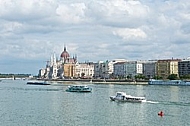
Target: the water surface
(51, 105)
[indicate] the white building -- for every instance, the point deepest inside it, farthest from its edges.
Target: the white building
(111, 65)
(84, 70)
(105, 69)
(128, 69)
(42, 73)
(133, 68)
(51, 70)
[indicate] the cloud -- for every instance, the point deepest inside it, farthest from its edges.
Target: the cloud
(120, 13)
(73, 13)
(94, 30)
(21, 10)
(130, 34)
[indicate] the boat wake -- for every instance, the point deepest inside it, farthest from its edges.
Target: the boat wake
(169, 103)
(176, 103)
(152, 102)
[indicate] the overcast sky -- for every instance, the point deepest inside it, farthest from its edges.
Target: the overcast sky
(31, 30)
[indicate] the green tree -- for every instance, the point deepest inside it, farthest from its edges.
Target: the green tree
(157, 77)
(173, 77)
(187, 76)
(139, 76)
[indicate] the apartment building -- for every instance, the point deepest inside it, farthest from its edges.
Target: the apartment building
(164, 68)
(149, 69)
(128, 69)
(119, 69)
(184, 67)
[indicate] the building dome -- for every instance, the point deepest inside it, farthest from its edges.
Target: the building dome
(64, 54)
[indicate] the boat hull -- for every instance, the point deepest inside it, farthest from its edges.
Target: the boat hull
(37, 83)
(77, 91)
(169, 82)
(123, 97)
(126, 100)
(79, 88)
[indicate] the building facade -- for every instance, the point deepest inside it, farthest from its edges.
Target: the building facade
(119, 70)
(105, 69)
(69, 70)
(164, 68)
(133, 68)
(84, 70)
(149, 69)
(184, 67)
(68, 67)
(128, 69)
(59, 68)
(101, 69)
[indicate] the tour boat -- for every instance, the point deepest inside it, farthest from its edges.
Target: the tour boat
(122, 96)
(79, 88)
(168, 82)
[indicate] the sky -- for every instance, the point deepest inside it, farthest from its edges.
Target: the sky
(94, 30)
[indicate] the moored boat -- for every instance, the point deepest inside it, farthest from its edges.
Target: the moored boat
(168, 82)
(122, 96)
(38, 83)
(79, 88)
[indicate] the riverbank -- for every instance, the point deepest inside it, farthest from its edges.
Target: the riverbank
(99, 81)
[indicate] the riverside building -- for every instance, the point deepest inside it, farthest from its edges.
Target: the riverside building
(128, 69)
(166, 67)
(105, 69)
(184, 67)
(68, 67)
(64, 67)
(84, 70)
(149, 69)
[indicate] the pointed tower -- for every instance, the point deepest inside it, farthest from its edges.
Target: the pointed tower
(51, 61)
(54, 67)
(54, 59)
(75, 58)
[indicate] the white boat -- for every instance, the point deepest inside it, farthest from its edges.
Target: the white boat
(168, 82)
(122, 96)
(79, 88)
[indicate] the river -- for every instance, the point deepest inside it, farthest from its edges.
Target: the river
(51, 105)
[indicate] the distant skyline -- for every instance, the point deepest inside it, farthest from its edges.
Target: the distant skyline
(94, 30)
